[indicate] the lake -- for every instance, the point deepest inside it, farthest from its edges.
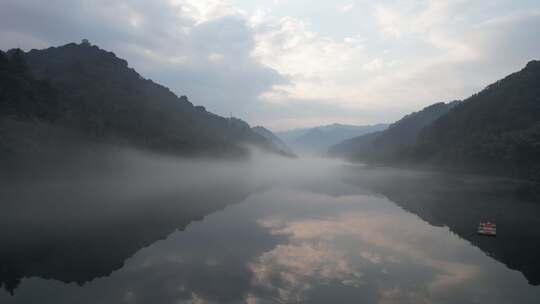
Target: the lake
(159, 230)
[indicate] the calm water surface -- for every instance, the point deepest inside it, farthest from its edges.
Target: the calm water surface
(339, 233)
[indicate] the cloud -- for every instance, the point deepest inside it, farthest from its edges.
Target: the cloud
(460, 61)
(314, 64)
(347, 7)
(203, 10)
(389, 21)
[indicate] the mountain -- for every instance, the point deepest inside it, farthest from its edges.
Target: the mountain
(80, 92)
(319, 139)
(389, 144)
(495, 131)
(274, 139)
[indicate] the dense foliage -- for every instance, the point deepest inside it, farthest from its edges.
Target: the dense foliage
(21, 95)
(496, 130)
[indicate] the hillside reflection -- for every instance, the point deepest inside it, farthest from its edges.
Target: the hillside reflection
(460, 202)
(79, 242)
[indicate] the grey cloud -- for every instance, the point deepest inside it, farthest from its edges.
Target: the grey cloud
(230, 84)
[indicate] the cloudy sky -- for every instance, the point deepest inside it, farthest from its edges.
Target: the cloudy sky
(296, 63)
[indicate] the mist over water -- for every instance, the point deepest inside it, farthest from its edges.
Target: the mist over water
(126, 226)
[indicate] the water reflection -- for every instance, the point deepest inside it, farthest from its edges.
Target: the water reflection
(337, 235)
(72, 243)
(371, 251)
(460, 202)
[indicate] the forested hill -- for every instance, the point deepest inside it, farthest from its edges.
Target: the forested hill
(392, 143)
(496, 130)
(95, 96)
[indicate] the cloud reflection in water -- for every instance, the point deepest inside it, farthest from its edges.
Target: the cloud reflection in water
(364, 241)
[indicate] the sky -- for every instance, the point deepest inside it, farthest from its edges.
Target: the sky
(287, 64)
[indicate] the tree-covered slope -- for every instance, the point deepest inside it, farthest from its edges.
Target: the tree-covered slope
(89, 91)
(496, 130)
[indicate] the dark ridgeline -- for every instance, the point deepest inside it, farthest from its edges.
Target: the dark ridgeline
(390, 143)
(79, 93)
(496, 131)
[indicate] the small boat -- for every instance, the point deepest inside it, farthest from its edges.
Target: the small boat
(487, 228)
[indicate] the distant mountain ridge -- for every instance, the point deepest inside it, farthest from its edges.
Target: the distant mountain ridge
(318, 140)
(91, 92)
(398, 137)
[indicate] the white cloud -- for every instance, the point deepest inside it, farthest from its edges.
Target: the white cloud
(290, 47)
(390, 22)
(203, 10)
(314, 63)
(347, 7)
